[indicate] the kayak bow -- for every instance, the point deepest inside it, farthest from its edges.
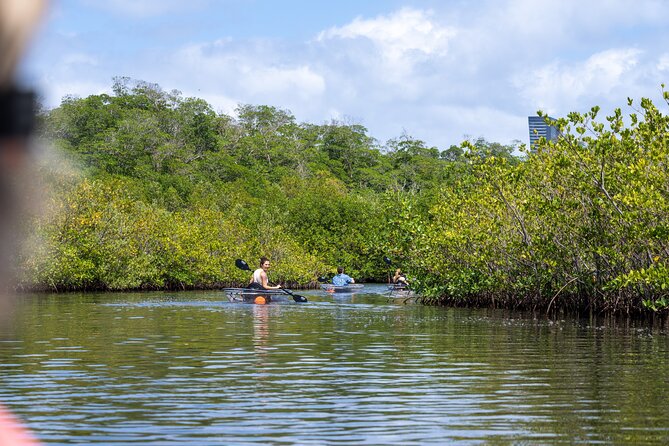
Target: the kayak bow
(350, 288)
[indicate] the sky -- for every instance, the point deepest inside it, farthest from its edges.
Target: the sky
(438, 71)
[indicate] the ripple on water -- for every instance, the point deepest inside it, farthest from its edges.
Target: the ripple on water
(195, 370)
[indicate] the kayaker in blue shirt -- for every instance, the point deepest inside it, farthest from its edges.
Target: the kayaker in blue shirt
(341, 279)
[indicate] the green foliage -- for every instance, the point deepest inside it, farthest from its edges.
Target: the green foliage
(175, 192)
(582, 222)
(100, 236)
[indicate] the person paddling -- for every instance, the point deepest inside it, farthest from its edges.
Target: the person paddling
(342, 279)
(259, 278)
(400, 279)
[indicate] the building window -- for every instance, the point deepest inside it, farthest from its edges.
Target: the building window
(539, 128)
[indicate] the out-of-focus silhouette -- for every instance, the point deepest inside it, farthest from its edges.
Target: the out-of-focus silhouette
(18, 19)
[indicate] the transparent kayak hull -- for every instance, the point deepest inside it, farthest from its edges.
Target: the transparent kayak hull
(400, 292)
(351, 288)
(249, 295)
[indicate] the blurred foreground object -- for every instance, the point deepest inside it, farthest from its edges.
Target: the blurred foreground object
(18, 19)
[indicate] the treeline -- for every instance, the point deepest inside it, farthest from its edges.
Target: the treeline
(168, 193)
(582, 223)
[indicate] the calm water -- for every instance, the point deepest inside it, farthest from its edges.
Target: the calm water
(192, 368)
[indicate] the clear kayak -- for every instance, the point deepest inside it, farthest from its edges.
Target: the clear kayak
(350, 288)
(250, 295)
(400, 291)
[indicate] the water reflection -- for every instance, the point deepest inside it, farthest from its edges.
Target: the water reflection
(261, 339)
(191, 368)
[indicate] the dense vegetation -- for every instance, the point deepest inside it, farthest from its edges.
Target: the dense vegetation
(167, 193)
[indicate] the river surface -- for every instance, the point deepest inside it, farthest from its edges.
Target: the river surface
(191, 368)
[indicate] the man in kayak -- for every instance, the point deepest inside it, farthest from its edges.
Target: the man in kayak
(341, 279)
(259, 279)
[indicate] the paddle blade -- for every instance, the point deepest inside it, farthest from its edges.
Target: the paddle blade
(296, 297)
(323, 279)
(387, 260)
(239, 263)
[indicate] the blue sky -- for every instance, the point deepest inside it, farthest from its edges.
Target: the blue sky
(440, 71)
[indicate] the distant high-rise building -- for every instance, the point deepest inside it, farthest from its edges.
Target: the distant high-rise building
(539, 128)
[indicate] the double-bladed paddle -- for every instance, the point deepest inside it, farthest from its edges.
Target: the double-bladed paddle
(388, 262)
(239, 263)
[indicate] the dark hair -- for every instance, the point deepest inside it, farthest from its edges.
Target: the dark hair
(263, 260)
(340, 270)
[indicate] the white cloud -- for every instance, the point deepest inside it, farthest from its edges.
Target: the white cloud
(401, 39)
(56, 89)
(398, 34)
(476, 68)
(445, 124)
(219, 102)
(248, 72)
(559, 84)
(663, 62)
(302, 81)
(556, 21)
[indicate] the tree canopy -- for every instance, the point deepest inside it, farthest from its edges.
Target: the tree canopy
(170, 192)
